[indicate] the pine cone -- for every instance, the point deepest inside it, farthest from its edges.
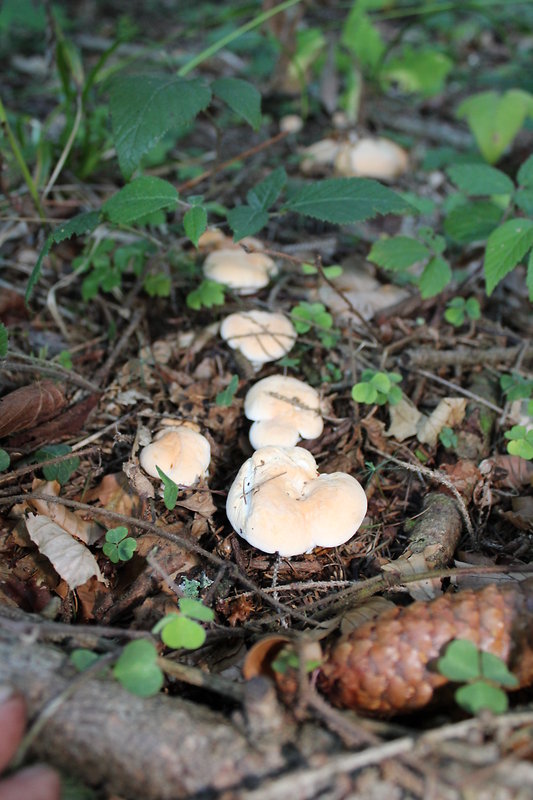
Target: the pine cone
(387, 664)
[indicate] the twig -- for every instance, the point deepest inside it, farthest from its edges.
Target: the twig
(459, 389)
(17, 473)
(428, 357)
(205, 680)
(68, 146)
(105, 369)
(54, 372)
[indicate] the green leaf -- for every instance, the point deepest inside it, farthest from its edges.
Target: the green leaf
(137, 670)
(472, 308)
(116, 535)
(332, 272)
(195, 609)
(436, 275)
(472, 222)
(265, 193)
(480, 179)
(208, 294)
(524, 200)
(144, 107)
(142, 196)
(245, 221)
(225, 397)
(506, 248)
(195, 223)
(57, 472)
(397, 253)
(3, 340)
(4, 460)
(83, 658)
(495, 119)
(364, 393)
(495, 670)
(183, 632)
(479, 696)
(242, 97)
(381, 382)
(421, 71)
(344, 200)
(170, 491)
(157, 285)
(77, 226)
(529, 276)
(362, 38)
(524, 176)
(126, 548)
(460, 661)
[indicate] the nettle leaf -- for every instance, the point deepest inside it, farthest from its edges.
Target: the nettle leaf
(398, 253)
(524, 200)
(480, 179)
(3, 340)
(144, 107)
(267, 191)
(436, 275)
(525, 173)
(472, 222)
(460, 662)
(77, 226)
(495, 119)
(506, 247)
(144, 195)
(195, 223)
(242, 97)
(345, 200)
(249, 219)
(245, 221)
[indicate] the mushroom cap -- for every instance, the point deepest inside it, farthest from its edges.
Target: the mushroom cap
(180, 453)
(279, 503)
(261, 336)
(319, 155)
(372, 158)
(284, 409)
(244, 272)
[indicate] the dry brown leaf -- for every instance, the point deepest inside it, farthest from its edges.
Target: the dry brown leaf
(138, 480)
(28, 406)
(404, 419)
(510, 472)
(200, 502)
(449, 412)
(70, 558)
(114, 493)
(415, 564)
(87, 532)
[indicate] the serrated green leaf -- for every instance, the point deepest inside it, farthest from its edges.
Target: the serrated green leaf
(3, 340)
(195, 609)
(137, 670)
(4, 460)
(225, 397)
(144, 195)
(345, 200)
(144, 107)
(362, 38)
(460, 662)
(183, 632)
(472, 222)
(208, 294)
(436, 275)
(242, 97)
(57, 472)
(480, 179)
(397, 253)
(245, 221)
(524, 200)
(495, 670)
(195, 223)
(423, 70)
(495, 119)
(157, 285)
(524, 176)
(479, 696)
(506, 247)
(265, 193)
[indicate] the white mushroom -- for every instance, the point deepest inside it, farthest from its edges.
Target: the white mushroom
(181, 453)
(260, 336)
(319, 155)
(372, 158)
(279, 503)
(284, 410)
(244, 272)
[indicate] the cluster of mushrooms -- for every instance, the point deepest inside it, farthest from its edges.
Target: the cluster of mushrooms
(278, 501)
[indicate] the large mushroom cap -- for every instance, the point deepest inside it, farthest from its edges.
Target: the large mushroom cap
(284, 410)
(372, 158)
(244, 272)
(181, 453)
(279, 503)
(261, 336)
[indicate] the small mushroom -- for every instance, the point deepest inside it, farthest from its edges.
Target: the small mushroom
(371, 158)
(181, 453)
(279, 503)
(260, 336)
(319, 156)
(244, 272)
(284, 411)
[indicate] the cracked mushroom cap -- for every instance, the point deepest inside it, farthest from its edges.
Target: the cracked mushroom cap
(260, 336)
(244, 272)
(180, 453)
(372, 158)
(279, 503)
(284, 410)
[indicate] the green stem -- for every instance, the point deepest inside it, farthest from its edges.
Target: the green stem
(230, 37)
(438, 8)
(20, 161)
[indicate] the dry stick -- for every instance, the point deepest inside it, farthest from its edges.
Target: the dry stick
(172, 537)
(428, 357)
(252, 151)
(459, 389)
(68, 376)
(105, 369)
(17, 473)
(205, 680)
(98, 434)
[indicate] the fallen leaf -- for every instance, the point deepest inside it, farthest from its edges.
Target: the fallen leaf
(87, 532)
(115, 494)
(404, 420)
(449, 412)
(61, 427)
(70, 558)
(28, 406)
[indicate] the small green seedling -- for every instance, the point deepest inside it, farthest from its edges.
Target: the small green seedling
(225, 397)
(515, 387)
(62, 471)
(4, 460)
(459, 309)
(137, 669)
(181, 630)
(377, 387)
(520, 442)
(206, 295)
(83, 658)
(3, 340)
(170, 490)
(329, 272)
(305, 316)
(483, 675)
(448, 438)
(288, 659)
(118, 546)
